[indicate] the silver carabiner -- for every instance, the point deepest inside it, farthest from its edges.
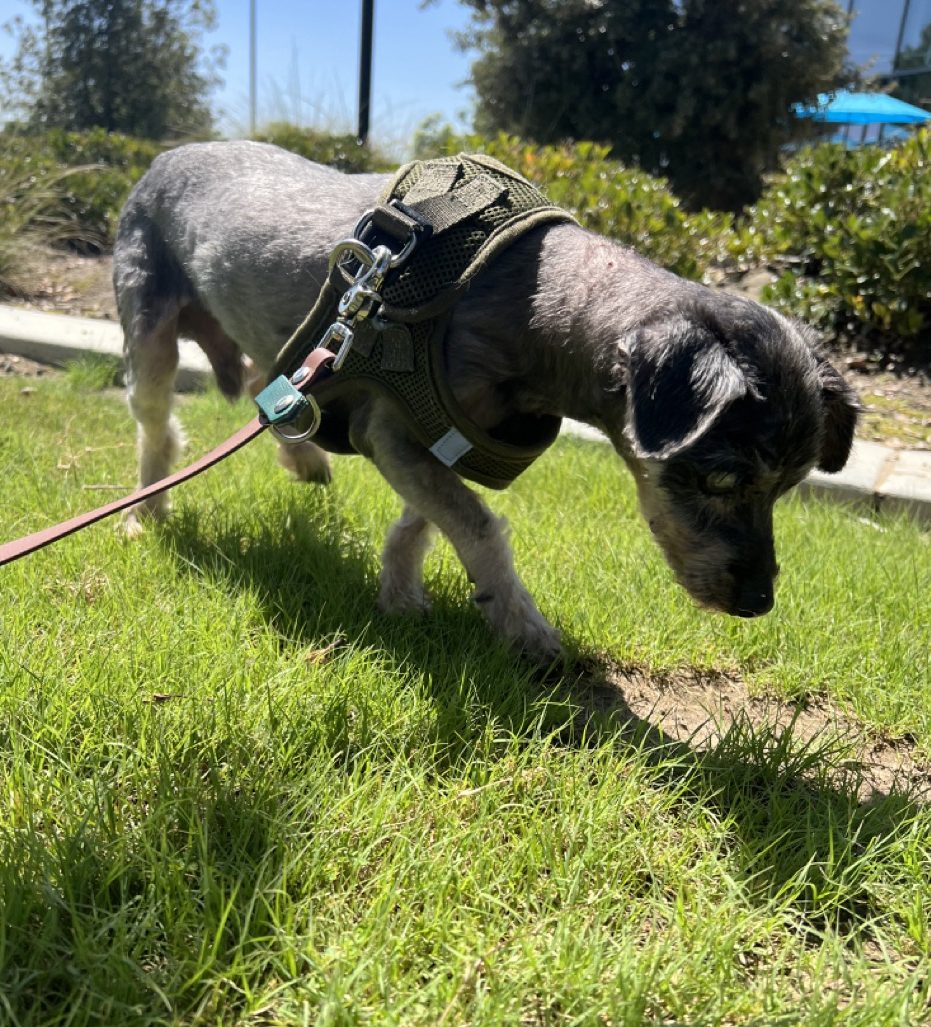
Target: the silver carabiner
(361, 297)
(351, 248)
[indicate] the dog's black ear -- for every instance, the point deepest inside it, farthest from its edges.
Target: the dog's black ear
(680, 379)
(841, 409)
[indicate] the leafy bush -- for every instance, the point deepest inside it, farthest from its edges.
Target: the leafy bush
(102, 168)
(852, 231)
(607, 197)
(105, 166)
(344, 152)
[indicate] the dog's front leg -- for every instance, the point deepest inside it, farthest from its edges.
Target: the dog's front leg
(435, 494)
(402, 560)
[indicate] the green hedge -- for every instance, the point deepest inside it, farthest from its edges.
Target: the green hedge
(344, 152)
(88, 203)
(851, 232)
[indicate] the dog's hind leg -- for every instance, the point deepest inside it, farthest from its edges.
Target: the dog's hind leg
(439, 497)
(151, 362)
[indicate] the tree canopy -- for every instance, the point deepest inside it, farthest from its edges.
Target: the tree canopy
(696, 90)
(132, 66)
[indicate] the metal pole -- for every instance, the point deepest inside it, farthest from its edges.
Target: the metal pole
(252, 63)
(901, 36)
(365, 69)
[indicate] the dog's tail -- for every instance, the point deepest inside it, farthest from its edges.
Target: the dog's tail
(156, 300)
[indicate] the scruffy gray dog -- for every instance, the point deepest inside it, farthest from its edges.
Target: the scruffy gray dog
(716, 404)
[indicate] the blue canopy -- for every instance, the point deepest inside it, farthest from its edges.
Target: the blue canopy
(848, 108)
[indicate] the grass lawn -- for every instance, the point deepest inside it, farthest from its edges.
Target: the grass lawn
(232, 793)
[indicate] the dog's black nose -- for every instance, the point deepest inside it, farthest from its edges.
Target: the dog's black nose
(754, 599)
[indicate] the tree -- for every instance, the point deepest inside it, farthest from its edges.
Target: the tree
(132, 66)
(697, 90)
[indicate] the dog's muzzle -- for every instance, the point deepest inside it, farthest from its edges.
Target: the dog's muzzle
(753, 599)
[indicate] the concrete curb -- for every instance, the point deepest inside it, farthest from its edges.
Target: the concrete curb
(888, 480)
(881, 478)
(59, 339)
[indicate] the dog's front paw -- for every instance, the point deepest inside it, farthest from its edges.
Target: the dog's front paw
(514, 615)
(306, 462)
(396, 601)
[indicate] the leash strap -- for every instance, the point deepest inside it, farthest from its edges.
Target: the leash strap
(318, 364)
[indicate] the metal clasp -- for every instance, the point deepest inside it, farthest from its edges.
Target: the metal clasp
(339, 332)
(363, 297)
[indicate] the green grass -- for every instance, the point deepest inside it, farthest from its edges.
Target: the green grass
(232, 793)
(94, 372)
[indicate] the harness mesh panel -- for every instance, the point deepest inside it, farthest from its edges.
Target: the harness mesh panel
(438, 264)
(438, 269)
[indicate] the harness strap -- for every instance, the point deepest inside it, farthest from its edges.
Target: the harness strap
(443, 221)
(318, 363)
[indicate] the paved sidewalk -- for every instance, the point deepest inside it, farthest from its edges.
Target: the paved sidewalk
(876, 476)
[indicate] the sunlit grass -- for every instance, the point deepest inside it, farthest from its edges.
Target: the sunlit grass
(235, 794)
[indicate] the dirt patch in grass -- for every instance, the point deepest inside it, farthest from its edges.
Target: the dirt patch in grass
(897, 408)
(698, 708)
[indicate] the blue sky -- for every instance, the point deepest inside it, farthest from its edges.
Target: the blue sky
(308, 61)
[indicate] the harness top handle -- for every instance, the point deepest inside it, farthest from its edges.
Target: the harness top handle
(456, 214)
(386, 303)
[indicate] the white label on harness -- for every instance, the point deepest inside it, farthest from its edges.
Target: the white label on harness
(450, 447)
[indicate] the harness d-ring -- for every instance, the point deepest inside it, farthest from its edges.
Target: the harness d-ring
(397, 259)
(311, 430)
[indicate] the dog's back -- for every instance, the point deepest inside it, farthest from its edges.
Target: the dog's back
(230, 241)
(225, 244)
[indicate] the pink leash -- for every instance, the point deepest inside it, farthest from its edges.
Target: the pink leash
(318, 364)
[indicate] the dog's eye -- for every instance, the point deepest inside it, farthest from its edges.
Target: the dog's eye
(719, 483)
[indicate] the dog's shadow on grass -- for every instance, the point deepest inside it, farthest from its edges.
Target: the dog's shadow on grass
(801, 827)
(798, 837)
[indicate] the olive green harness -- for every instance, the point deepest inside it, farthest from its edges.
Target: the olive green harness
(442, 221)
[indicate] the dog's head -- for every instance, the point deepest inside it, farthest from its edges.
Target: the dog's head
(728, 406)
